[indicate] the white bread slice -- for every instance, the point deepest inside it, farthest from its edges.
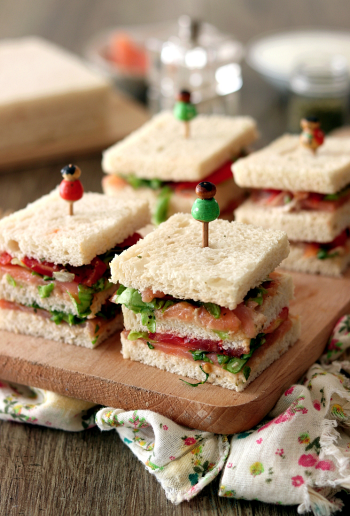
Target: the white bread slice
(226, 192)
(28, 323)
(171, 259)
(296, 261)
(264, 316)
(28, 294)
(44, 230)
(262, 358)
(47, 93)
(286, 165)
(303, 225)
(159, 149)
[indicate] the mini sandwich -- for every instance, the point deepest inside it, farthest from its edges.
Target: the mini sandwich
(304, 194)
(218, 314)
(159, 164)
(54, 268)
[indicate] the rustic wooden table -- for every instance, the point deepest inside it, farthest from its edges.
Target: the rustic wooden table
(50, 472)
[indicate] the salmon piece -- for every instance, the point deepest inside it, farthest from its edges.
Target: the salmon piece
(182, 311)
(148, 295)
(228, 321)
(114, 181)
(311, 250)
(245, 315)
(24, 275)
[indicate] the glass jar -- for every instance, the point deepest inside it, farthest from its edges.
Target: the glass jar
(198, 58)
(319, 86)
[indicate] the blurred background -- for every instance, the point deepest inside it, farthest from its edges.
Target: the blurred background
(82, 26)
(273, 60)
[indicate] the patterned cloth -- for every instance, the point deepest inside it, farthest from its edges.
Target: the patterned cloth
(299, 455)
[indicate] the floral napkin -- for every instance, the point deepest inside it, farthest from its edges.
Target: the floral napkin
(298, 455)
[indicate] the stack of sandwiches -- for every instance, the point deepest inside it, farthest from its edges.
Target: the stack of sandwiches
(304, 194)
(218, 314)
(54, 268)
(159, 164)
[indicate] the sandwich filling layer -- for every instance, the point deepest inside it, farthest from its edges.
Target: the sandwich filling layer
(77, 291)
(296, 201)
(162, 195)
(262, 309)
(217, 368)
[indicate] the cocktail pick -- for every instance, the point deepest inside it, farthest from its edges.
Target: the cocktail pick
(205, 208)
(311, 136)
(71, 189)
(184, 110)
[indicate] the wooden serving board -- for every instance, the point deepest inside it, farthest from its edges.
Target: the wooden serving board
(102, 376)
(125, 115)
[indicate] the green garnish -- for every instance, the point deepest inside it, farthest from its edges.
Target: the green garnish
(234, 364)
(167, 304)
(287, 199)
(137, 182)
(97, 328)
(36, 274)
(139, 256)
(10, 280)
(45, 290)
(148, 319)
(93, 342)
(223, 359)
(131, 298)
(323, 254)
(256, 294)
(150, 345)
(213, 309)
(338, 195)
(86, 294)
(134, 335)
(197, 354)
(246, 372)
(222, 334)
(199, 383)
(47, 278)
(161, 210)
(57, 317)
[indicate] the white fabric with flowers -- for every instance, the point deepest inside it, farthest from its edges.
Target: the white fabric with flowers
(298, 455)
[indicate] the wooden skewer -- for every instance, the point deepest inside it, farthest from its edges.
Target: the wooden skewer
(205, 235)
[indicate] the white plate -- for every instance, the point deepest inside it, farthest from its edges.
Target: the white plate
(274, 55)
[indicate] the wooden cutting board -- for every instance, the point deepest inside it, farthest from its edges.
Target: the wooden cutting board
(125, 115)
(102, 376)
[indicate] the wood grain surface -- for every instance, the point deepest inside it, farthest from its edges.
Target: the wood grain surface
(48, 472)
(102, 375)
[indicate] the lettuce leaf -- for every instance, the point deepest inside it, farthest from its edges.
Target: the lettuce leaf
(131, 298)
(161, 210)
(138, 182)
(45, 290)
(213, 309)
(234, 364)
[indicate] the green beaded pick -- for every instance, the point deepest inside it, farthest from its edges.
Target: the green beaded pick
(184, 111)
(205, 210)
